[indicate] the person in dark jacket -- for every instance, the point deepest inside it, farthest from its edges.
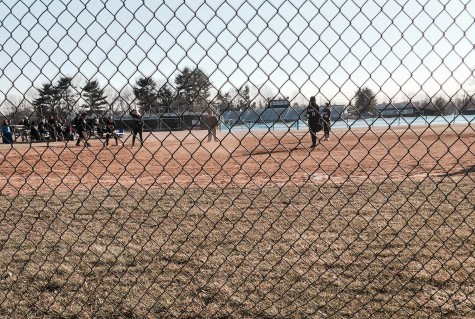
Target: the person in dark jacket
(26, 132)
(314, 120)
(91, 125)
(34, 133)
(326, 113)
(51, 127)
(81, 129)
(212, 123)
(138, 126)
(109, 129)
(42, 129)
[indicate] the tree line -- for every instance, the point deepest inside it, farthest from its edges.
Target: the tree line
(192, 91)
(366, 104)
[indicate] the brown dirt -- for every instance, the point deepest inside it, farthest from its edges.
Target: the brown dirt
(243, 160)
(372, 224)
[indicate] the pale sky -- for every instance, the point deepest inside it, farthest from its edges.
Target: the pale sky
(323, 48)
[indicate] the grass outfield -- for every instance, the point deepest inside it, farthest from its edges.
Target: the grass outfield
(391, 249)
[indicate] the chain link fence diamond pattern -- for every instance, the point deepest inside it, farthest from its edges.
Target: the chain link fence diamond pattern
(157, 159)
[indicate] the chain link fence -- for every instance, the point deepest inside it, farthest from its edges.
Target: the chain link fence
(162, 159)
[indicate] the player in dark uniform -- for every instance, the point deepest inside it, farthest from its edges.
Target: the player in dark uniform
(110, 131)
(51, 127)
(81, 129)
(326, 113)
(314, 120)
(212, 122)
(138, 126)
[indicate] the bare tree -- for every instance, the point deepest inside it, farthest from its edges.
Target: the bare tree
(17, 107)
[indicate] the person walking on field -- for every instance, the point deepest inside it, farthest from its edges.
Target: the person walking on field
(81, 129)
(138, 126)
(212, 122)
(326, 113)
(314, 120)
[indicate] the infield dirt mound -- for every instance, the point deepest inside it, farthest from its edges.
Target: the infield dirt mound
(249, 159)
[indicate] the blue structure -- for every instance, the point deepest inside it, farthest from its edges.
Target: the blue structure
(277, 111)
(7, 137)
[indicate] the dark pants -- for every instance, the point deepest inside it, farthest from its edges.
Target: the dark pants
(312, 125)
(82, 135)
(7, 138)
(109, 135)
(139, 130)
(212, 134)
(326, 129)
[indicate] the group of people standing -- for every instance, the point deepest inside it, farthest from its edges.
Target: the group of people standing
(109, 128)
(318, 121)
(52, 129)
(55, 129)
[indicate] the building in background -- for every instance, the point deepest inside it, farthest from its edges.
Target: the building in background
(397, 109)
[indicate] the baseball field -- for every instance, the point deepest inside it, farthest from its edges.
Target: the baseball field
(375, 223)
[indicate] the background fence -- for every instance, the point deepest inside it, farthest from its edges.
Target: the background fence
(378, 221)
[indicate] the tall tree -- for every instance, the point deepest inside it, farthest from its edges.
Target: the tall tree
(194, 87)
(45, 104)
(17, 108)
(165, 98)
(465, 103)
(366, 101)
(145, 92)
(122, 100)
(222, 102)
(67, 95)
(94, 98)
(244, 100)
(441, 105)
(228, 99)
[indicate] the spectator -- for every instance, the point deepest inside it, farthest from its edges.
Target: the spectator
(7, 136)
(51, 126)
(43, 131)
(26, 130)
(69, 132)
(34, 133)
(91, 125)
(59, 126)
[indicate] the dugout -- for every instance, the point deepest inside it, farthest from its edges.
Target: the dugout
(191, 120)
(272, 115)
(231, 118)
(169, 122)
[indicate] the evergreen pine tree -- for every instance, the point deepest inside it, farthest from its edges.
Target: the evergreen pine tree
(67, 95)
(47, 101)
(146, 93)
(194, 87)
(244, 99)
(165, 97)
(366, 101)
(94, 98)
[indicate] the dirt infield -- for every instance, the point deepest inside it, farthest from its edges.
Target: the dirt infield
(242, 159)
(371, 224)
